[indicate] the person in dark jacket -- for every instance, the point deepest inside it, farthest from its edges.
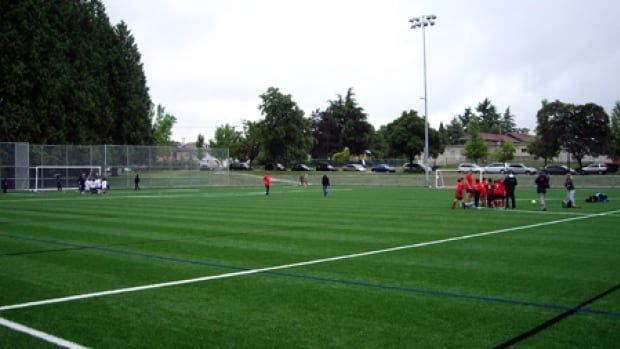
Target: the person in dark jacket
(510, 183)
(136, 182)
(542, 184)
(5, 185)
(82, 183)
(325, 182)
(570, 191)
(58, 182)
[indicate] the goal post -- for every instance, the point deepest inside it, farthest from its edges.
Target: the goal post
(46, 177)
(448, 178)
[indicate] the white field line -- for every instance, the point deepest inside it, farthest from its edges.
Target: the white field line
(546, 212)
(165, 196)
(292, 265)
(39, 334)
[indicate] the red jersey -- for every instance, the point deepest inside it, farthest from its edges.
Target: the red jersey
(459, 189)
(497, 189)
(266, 180)
(469, 178)
(483, 189)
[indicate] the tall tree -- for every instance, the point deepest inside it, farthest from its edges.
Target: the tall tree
(354, 130)
(546, 145)
(68, 76)
(442, 134)
(130, 94)
(506, 152)
(455, 132)
(326, 133)
(226, 136)
(250, 142)
(465, 118)
(475, 149)
(287, 135)
(162, 126)
(489, 117)
(615, 130)
(507, 123)
(200, 146)
(583, 130)
(405, 135)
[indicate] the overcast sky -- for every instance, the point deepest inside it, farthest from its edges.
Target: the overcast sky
(208, 61)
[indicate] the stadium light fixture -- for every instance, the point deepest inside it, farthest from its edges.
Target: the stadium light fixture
(423, 22)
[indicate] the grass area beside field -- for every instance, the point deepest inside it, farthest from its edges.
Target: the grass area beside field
(365, 267)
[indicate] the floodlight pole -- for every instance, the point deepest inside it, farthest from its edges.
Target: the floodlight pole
(423, 22)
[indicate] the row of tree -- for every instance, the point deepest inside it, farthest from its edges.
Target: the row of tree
(580, 130)
(67, 76)
(342, 129)
(286, 135)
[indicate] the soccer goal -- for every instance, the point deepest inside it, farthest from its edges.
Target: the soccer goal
(47, 177)
(448, 178)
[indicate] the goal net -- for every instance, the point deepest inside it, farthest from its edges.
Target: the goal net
(48, 177)
(448, 178)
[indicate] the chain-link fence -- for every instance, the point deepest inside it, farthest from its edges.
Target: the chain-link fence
(36, 167)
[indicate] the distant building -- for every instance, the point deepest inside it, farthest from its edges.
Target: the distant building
(455, 154)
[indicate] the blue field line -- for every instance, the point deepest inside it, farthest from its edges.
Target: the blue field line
(435, 293)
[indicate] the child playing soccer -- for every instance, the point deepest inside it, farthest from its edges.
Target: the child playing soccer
(267, 183)
(458, 193)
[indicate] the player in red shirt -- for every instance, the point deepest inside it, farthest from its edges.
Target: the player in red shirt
(490, 192)
(267, 183)
(458, 193)
(477, 193)
(469, 181)
(483, 192)
(499, 192)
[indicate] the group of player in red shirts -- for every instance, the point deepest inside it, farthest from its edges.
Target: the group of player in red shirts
(485, 193)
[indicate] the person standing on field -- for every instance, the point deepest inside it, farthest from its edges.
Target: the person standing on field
(325, 182)
(510, 183)
(58, 182)
(136, 182)
(267, 183)
(5, 185)
(542, 184)
(570, 191)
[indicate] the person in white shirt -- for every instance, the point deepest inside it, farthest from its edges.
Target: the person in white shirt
(104, 186)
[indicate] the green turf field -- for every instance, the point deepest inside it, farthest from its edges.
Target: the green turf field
(377, 267)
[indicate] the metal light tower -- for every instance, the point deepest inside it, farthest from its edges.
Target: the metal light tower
(423, 22)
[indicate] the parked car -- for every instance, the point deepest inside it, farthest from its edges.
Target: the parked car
(465, 167)
(274, 167)
(416, 168)
(595, 168)
(354, 167)
(558, 170)
(206, 167)
(239, 166)
(300, 167)
(323, 166)
(520, 169)
(383, 168)
(497, 167)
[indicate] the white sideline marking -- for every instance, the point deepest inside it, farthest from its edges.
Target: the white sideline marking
(165, 196)
(292, 265)
(547, 212)
(39, 334)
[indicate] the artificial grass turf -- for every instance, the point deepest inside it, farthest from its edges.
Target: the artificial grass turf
(129, 239)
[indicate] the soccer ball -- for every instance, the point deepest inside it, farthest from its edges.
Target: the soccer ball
(533, 201)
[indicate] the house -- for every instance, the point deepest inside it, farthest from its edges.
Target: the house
(455, 154)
